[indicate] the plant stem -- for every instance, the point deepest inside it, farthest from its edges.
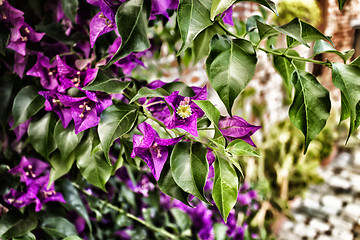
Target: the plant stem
(131, 216)
(292, 57)
(272, 52)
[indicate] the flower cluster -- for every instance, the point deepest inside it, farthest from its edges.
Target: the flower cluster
(35, 174)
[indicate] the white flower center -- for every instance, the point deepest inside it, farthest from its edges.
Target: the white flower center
(184, 109)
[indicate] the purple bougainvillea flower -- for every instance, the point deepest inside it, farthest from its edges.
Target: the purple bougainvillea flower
(20, 62)
(19, 199)
(237, 128)
(100, 25)
(46, 71)
(9, 14)
(43, 194)
(71, 77)
(36, 192)
(20, 34)
(228, 16)
(29, 168)
(84, 110)
(52, 103)
(185, 111)
(35, 174)
(161, 6)
(21, 129)
(152, 149)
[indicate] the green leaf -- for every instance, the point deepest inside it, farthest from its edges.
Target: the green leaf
(321, 46)
(190, 168)
(356, 62)
(230, 67)
(131, 21)
(66, 139)
(147, 92)
(193, 17)
(93, 167)
(220, 231)
(70, 8)
(265, 30)
(8, 84)
(225, 188)
(168, 185)
(27, 236)
(104, 83)
(239, 147)
(26, 104)
(58, 227)
(5, 33)
(60, 166)
(182, 219)
(73, 199)
(202, 41)
(115, 121)
(212, 113)
(293, 29)
(285, 68)
(219, 6)
(184, 90)
(311, 105)
(72, 238)
(308, 34)
(267, 3)
(341, 4)
(40, 133)
(347, 79)
(14, 224)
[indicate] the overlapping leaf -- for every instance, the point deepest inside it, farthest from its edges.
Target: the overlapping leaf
(285, 68)
(230, 67)
(325, 47)
(202, 41)
(168, 185)
(105, 83)
(115, 121)
(193, 17)
(26, 104)
(212, 113)
(190, 168)
(225, 189)
(347, 79)
(311, 105)
(219, 6)
(41, 135)
(93, 166)
(131, 21)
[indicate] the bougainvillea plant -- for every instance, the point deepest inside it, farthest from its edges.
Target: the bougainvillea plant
(90, 151)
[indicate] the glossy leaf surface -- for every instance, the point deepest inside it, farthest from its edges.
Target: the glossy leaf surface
(26, 104)
(66, 139)
(311, 105)
(115, 121)
(93, 166)
(347, 79)
(230, 67)
(324, 47)
(131, 21)
(190, 168)
(193, 17)
(225, 188)
(41, 135)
